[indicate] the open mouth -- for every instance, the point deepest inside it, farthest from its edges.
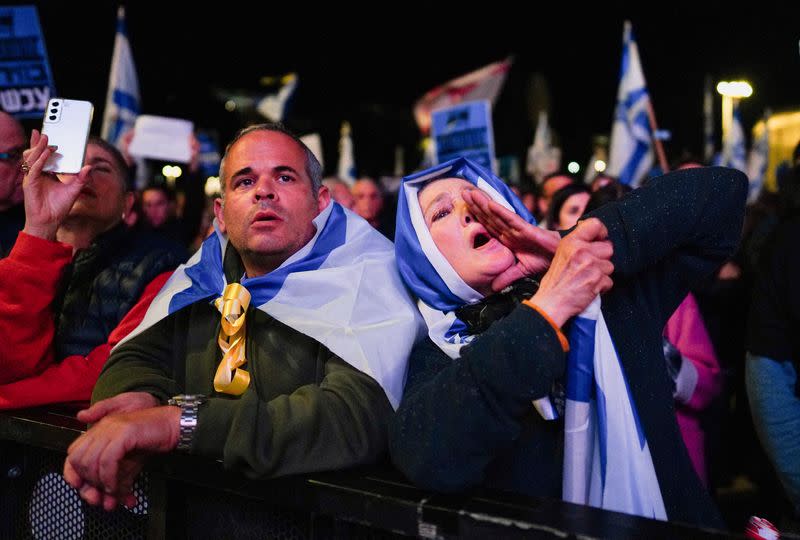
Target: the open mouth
(265, 217)
(480, 240)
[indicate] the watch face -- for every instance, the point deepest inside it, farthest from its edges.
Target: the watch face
(188, 399)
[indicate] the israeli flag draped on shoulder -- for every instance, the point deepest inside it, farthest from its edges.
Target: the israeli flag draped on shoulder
(425, 270)
(607, 462)
(631, 148)
(342, 289)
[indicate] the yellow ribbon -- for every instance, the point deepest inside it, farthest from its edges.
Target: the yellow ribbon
(233, 303)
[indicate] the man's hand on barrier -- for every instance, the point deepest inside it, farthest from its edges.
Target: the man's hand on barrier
(104, 462)
(125, 402)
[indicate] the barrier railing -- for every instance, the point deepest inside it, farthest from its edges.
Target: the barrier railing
(190, 497)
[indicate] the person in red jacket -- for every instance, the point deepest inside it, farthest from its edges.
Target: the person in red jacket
(76, 281)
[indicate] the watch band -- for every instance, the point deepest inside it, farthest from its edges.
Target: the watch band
(190, 406)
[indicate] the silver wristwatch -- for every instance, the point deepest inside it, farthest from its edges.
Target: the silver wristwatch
(189, 404)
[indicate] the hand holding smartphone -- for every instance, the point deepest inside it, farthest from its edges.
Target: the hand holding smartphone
(66, 124)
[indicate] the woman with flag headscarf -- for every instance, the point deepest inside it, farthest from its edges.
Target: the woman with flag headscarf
(466, 417)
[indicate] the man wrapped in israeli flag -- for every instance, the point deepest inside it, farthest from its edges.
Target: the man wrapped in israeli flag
(281, 345)
(496, 293)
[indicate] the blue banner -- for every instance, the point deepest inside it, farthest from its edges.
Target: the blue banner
(26, 82)
(464, 130)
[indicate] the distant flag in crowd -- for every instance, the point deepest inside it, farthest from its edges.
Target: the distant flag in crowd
(314, 143)
(484, 83)
(708, 121)
(758, 161)
(733, 146)
(543, 157)
(631, 148)
(273, 106)
(346, 169)
(122, 100)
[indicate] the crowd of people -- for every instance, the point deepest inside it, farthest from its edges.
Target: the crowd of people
(459, 326)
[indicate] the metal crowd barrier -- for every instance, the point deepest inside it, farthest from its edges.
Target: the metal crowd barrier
(190, 497)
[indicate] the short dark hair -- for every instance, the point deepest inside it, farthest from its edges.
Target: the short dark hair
(606, 194)
(313, 166)
(552, 175)
(559, 198)
(119, 161)
(168, 193)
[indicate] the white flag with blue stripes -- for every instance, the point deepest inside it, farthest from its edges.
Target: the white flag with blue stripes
(758, 162)
(607, 462)
(733, 147)
(346, 169)
(122, 99)
(631, 148)
(342, 289)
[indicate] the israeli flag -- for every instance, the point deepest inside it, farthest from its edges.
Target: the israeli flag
(757, 163)
(346, 168)
(342, 289)
(273, 106)
(607, 462)
(631, 149)
(122, 100)
(733, 147)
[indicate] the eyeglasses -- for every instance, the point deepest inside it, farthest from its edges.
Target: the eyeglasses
(12, 155)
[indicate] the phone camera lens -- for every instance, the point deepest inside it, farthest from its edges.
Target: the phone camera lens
(52, 117)
(54, 111)
(55, 104)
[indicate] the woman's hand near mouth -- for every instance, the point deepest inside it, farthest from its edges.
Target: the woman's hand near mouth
(533, 247)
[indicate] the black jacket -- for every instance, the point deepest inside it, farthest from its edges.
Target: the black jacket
(468, 422)
(103, 283)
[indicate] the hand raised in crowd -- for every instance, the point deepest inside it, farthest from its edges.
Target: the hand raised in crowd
(580, 270)
(103, 463)
(121, 403)
(533, 247)
(48, 198)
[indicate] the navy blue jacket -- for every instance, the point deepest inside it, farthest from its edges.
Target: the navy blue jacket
(469, 422)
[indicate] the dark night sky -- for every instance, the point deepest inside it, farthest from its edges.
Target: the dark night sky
(370, 73)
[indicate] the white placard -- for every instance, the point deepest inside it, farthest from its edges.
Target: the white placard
(159, 137)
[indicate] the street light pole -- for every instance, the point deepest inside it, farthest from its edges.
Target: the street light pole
(731, 92)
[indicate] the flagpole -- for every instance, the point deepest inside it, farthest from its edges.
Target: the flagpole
(662, 157)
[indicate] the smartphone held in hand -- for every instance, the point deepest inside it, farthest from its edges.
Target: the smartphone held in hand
(66, 124)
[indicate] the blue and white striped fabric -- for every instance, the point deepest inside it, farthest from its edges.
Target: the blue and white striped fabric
(342, 289)
(607, 462)
(346, 168)
(425, 270)
(733, 147)
(757, 163)
(122, 100)
(631, 149)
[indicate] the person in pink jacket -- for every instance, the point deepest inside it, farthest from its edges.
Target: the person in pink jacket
(697, 375)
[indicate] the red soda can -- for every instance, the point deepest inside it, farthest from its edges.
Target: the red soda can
(761, 529)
